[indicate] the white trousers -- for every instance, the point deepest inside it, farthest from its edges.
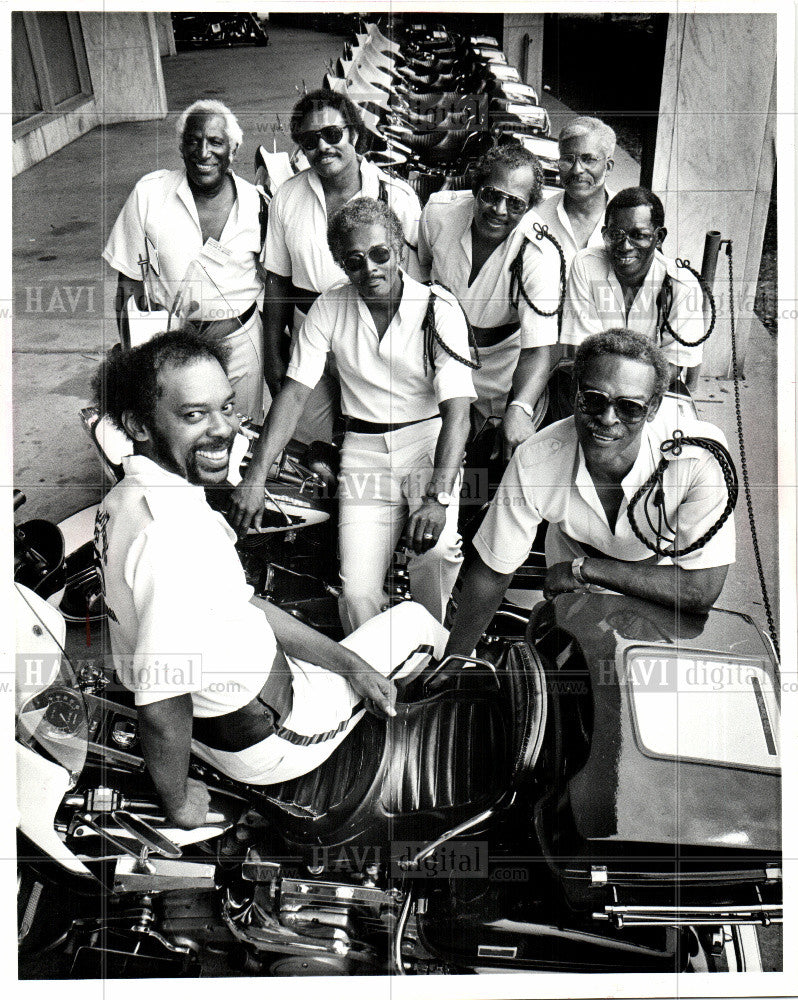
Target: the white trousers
(493, 381)
(321, 716)
(244, 348)
(382, 481)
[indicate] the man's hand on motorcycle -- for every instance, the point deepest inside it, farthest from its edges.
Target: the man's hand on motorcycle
(560, 580)
(247, 505)
(193, 811)
(424, 527)
(378, 692)
(517, 426)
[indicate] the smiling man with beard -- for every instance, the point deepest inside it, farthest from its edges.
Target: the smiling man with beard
(265, 698)
(580, 474)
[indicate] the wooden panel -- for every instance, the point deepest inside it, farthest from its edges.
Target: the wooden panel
(715, 152)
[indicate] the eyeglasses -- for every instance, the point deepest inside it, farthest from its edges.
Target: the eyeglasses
(379, 254)
(493, 197)
(637, 237)
(332, 135)
(588, 160)
(594, 403)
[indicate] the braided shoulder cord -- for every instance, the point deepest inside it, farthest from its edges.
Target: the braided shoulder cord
(431, 337)
(667, 328)
(653, 488)
(517, 273)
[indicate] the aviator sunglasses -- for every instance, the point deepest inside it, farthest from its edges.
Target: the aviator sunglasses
(493, 197)
(594, 403)
(332, 135)
(379, 254)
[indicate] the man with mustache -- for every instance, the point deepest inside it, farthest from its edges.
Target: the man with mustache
(629, 282)
(264, 697)
(579, 475)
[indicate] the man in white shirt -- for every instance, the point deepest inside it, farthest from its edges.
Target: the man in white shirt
(401, 350)
(469, 241)
(197, 233)
(296, 259)
(575, 215)
(265, 698)
(580, 475)
(630, 283)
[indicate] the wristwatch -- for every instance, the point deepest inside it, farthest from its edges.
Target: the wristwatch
(576, 571)
(444, 499)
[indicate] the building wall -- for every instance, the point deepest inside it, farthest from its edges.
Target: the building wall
(166, 35)
(122, 51)
(715, 154)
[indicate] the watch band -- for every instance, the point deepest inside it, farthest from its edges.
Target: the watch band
(528, 410)
(576, 571)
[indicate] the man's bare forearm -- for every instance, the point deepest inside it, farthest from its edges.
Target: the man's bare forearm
(278, 310)
(531, 374)
(280, 425)
(481, 594)
(166, 742)
(451, 443)
(692, 590)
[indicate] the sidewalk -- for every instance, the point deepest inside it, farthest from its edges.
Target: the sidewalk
(64, 207)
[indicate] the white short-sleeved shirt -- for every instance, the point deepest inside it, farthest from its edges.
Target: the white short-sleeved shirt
(296, 237)
(445, 248)
(180, 617)
(594, 302)
(552, 212)
(383, 380)
(159, 220)
(547, 479)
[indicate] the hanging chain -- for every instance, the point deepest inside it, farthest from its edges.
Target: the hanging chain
(653, 489)
(517, 274)
(743, 461)
(667, 328)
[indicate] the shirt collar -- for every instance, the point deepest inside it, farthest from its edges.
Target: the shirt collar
(169, 487)
(412, 293)
(185, 194)
(632, 481)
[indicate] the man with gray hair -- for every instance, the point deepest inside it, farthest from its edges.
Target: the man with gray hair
(575, 215)
(187, 241)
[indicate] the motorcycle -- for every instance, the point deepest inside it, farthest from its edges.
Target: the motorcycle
(598, 790)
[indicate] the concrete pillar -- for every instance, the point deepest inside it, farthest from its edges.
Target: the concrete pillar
(715, 154)
(516, 28)
(125, 64)
(166, 35)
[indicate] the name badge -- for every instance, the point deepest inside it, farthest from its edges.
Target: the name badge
(214, 251)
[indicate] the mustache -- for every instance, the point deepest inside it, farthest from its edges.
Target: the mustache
(603, 431)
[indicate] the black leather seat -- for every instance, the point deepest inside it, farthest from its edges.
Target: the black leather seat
(442, 761)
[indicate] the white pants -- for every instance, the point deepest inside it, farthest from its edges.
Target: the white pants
(382, 481)
(493, 381)
(323, 701)
(244, 348)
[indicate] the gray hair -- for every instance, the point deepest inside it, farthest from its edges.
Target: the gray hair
(623, 343)
(592, 127)
(363, 212)
(206, 108)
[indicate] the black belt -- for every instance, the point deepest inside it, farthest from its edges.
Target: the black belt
(489, 336)
(357, 426)
(254, 721)
(212, 325)
(302, 298)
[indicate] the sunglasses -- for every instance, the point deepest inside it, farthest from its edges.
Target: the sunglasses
(332, 135)
(379, 254)
(595, 403)
(637, 237)
(493, 197)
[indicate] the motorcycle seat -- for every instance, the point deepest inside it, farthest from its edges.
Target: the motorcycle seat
(441, 762)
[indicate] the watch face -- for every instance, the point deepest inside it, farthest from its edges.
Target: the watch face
(444, 499)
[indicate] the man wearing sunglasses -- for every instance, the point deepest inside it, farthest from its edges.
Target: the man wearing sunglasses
(575, 215)
(297, 261)
(580, 474)
(629, 282)
(467, 242)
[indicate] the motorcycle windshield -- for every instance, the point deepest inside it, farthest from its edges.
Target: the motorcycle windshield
(51, 712)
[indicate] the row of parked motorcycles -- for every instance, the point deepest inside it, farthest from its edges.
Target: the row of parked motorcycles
(597, 790)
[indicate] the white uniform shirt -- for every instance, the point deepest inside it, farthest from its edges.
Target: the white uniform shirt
(179, 614)
(296, 237)
(445, 246)
(383, 380)
(594, 302)
(547, 479)
(552, 212)
(159, 220)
